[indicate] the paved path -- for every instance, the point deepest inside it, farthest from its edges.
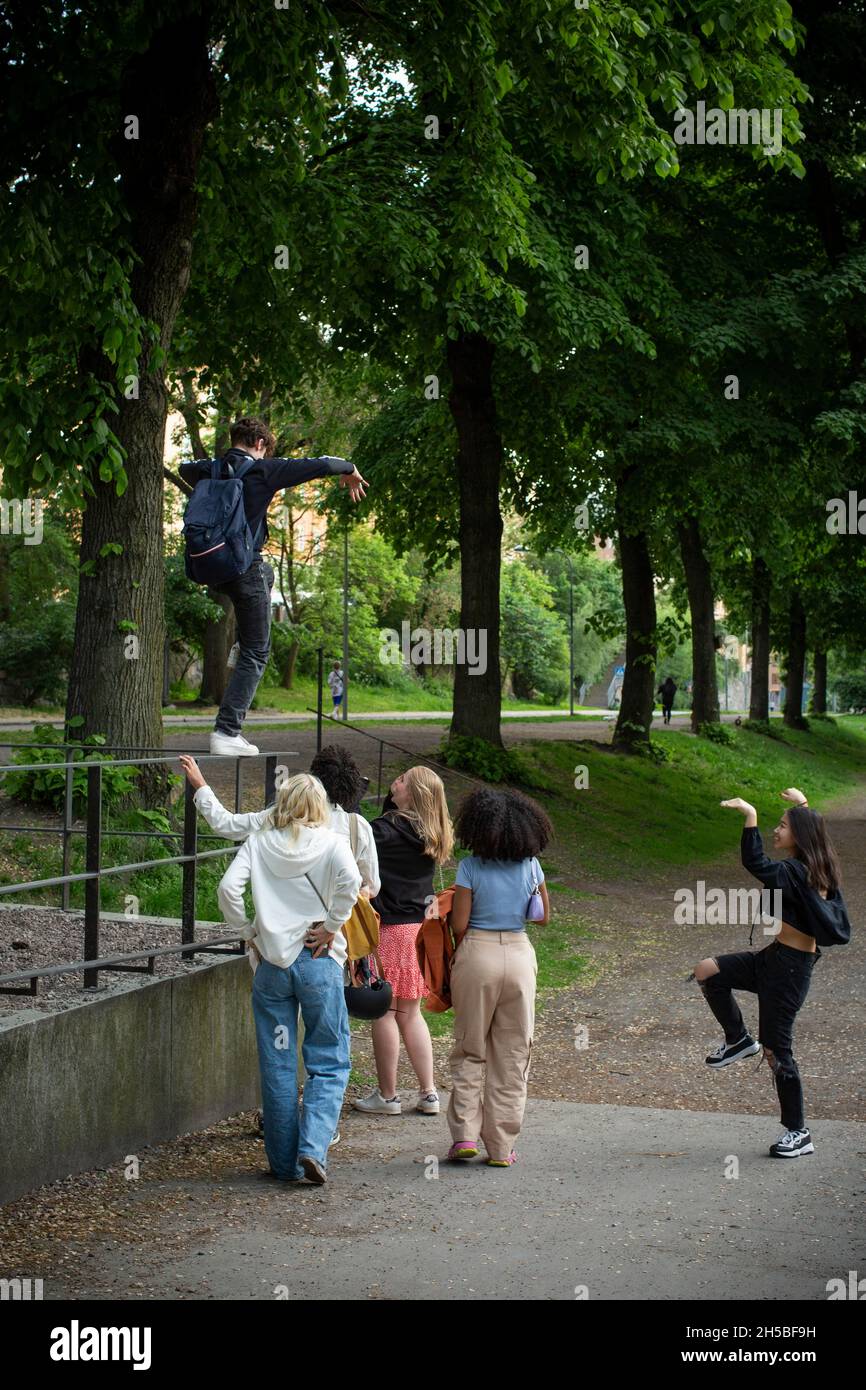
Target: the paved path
(628, 1203)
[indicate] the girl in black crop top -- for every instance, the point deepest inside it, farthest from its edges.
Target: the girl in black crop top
(811, 911)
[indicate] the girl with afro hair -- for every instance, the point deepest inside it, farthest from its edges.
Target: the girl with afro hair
(494, 970)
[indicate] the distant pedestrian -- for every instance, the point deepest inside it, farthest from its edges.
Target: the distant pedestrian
(336, 684)
(667, 690)
(494, 969)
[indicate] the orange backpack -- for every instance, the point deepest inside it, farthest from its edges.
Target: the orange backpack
(435, 946)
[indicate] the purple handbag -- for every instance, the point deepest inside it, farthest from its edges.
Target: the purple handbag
(535, 906)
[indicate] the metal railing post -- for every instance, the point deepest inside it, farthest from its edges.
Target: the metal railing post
(65, 896)
(270, 778)
(321, 651)
(190, 846)
(93, 854)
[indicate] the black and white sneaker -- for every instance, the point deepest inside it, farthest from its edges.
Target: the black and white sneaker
(792, 1144)
(726, 1053)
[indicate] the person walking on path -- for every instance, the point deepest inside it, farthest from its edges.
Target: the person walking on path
(667, 690)
(250, 593)
(336, 685)
(813, 911)
(494, 969)
(413, 835)
(298, 958)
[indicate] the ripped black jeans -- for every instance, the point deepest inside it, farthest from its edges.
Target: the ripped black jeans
(780, 976)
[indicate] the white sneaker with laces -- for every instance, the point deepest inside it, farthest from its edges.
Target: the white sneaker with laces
(428, 1103)
(375, 1104)
(232, 745)
(792, 1144)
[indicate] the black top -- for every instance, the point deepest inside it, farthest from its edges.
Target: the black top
(264, 479)
(405, 870)
(802, 906)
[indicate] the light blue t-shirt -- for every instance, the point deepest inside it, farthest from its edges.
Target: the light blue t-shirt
(501, 889)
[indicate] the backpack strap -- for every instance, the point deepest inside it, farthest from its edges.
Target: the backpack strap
(241, 470)
(353, 834)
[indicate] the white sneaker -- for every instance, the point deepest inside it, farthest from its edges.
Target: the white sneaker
(428, 1103)
(375, 1104)
(232, 745)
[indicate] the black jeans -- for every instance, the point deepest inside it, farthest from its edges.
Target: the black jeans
(780, 976)
(250, 594)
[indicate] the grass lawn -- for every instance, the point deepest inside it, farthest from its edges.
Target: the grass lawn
(636, 818)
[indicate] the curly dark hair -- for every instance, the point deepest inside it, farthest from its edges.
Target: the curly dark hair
(338, 772)
(502, 825)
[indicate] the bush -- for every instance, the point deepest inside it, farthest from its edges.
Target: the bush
(716, 733)
(481, 759)
(850, 691)
(48, 787)
(34, 657)
(768, 727)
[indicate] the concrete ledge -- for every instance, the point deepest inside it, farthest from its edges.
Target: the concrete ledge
(83, 1088)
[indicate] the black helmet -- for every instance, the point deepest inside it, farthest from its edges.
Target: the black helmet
(368, 1001)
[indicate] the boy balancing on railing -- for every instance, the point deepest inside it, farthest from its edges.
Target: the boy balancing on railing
(250, 592)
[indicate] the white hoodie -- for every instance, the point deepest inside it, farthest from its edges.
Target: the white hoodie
(275, 863)
(236, 825)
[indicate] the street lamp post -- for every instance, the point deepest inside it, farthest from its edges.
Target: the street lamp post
(346, 621)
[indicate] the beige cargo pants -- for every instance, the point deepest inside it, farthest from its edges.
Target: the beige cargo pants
(493, 993)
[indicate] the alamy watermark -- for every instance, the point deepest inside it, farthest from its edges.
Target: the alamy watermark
(22, 516)
(734, 127)
(847, 515)
(734, 907)
(437, 646)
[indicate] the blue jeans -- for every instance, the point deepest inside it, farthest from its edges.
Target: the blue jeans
(250, 594)
(317, 986)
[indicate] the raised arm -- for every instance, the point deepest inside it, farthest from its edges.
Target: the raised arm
(230, 825)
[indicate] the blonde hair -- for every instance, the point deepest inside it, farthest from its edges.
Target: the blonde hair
(428, 812)
(301, 800)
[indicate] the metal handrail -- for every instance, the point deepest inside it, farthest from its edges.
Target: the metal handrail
(94, 871)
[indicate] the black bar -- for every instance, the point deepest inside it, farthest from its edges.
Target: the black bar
(321, 652)
(270, 778)
(92, 857)
(65, 897)
(108, 962)
(190, 833)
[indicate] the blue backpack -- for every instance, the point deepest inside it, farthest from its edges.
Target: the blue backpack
(218, 540)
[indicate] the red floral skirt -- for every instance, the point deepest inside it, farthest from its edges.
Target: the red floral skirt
(400, 959)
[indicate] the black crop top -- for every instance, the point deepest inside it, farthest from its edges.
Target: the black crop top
(826, 919)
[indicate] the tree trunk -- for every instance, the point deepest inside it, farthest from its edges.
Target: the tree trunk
(477, 697)
(759, 699)
(699, 583)
(291, 663)
(638, 593)
(115, 683)
(796, 668)
(214, 674)
(818, 703)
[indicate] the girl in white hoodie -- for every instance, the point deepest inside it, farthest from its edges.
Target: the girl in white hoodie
(304, 885)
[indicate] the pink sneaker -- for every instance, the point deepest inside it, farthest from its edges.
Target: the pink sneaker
(463, 1148)
(502, 1162)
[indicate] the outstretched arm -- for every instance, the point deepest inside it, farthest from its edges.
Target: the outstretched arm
(230, 825)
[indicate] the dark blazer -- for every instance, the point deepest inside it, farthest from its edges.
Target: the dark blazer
(405, 870)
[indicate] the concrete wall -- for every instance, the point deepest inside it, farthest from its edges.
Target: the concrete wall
(83, 1088)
